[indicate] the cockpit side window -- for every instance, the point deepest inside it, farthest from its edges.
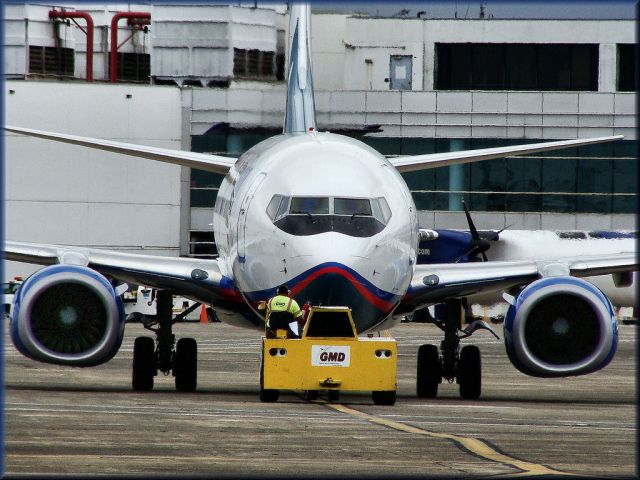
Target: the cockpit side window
(272, 208)
(381, 210)
(309, 205)
(284, 207)
(352, 206)
(277, 207)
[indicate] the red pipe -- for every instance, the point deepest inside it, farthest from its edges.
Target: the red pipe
(114, 38)
(56, 14)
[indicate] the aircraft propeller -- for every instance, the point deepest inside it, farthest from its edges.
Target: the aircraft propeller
(479, 242)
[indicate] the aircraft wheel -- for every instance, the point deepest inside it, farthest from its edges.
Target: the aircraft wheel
(311, 395)
(334, 395)
(470, 372)
(144, 364)
(185, 365)
(384, 398)
(429, 373)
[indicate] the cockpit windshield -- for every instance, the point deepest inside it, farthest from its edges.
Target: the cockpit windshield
(352, 206)
(358, 217)
(312, 205)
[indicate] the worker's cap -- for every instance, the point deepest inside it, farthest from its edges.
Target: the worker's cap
(283, 289)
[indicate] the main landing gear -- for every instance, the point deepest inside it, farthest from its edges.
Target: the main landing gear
(165, 354)
(452, 363)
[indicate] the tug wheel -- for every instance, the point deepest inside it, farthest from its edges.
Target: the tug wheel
(384, 398)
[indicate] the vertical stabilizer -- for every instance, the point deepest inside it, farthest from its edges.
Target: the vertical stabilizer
(300, 115)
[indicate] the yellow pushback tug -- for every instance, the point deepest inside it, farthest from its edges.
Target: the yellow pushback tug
(331, 357)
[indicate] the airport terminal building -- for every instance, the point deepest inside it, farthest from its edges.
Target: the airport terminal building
(211, 79)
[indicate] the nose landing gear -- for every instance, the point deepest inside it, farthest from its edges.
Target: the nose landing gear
(451, 363)
(165, 356)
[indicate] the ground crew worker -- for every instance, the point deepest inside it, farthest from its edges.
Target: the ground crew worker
(281, 311)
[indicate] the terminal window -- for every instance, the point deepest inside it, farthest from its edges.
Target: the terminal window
(600, 178)
(202, 244)
(627, 54)
(499, 66)
(204, 188)
(594, 179)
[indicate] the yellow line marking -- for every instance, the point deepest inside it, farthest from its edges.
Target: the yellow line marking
(476, 446)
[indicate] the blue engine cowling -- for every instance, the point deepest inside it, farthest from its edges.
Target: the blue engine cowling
(559, 327)
(67, 315)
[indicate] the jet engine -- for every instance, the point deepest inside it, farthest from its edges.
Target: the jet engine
(559, 327)
(67, 315)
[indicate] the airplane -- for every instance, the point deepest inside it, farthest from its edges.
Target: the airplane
(453, 246)
(334, 220)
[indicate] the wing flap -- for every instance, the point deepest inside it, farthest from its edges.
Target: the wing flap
(604, 264)
(210, 163)
(435, 160)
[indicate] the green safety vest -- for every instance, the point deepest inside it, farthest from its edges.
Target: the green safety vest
(282, 303)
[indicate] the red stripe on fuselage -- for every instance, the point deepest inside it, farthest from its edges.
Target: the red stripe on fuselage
(232, 295)
(370, 297)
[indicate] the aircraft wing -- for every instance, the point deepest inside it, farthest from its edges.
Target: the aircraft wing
(434, 160)
(435, 283)
(201, 280)
(202, 161)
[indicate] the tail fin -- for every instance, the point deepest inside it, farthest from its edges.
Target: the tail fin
(300, 115)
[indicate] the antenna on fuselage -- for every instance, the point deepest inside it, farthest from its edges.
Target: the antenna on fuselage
(300, 114)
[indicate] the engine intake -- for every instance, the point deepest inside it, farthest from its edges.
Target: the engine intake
(560, 326)
(67, 315)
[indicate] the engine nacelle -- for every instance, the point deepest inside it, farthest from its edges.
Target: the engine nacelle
(67, 315)
(559, 327)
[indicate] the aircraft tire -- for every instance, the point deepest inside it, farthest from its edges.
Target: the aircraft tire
(185, 365)
(470, 372)
(384, 397)
(429, 372)
(144, 364)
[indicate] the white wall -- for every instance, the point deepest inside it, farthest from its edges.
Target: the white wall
(63, 194)
(328, 50)
(376, 40)
(198, 40)
(341, 44)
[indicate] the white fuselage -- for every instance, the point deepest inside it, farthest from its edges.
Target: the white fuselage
(547, 245)
(367, 271)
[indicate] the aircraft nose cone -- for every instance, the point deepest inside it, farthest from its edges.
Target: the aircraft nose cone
(336, 285)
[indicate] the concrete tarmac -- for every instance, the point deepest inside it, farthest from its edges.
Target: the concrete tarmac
(89, 421)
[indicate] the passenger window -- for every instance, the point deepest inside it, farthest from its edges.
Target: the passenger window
(352, 206)
(311, 205)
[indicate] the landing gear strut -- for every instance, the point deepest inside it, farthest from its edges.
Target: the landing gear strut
(165, 356)
(463, 366)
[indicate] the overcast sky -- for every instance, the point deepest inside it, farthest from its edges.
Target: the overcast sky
(602, 9)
